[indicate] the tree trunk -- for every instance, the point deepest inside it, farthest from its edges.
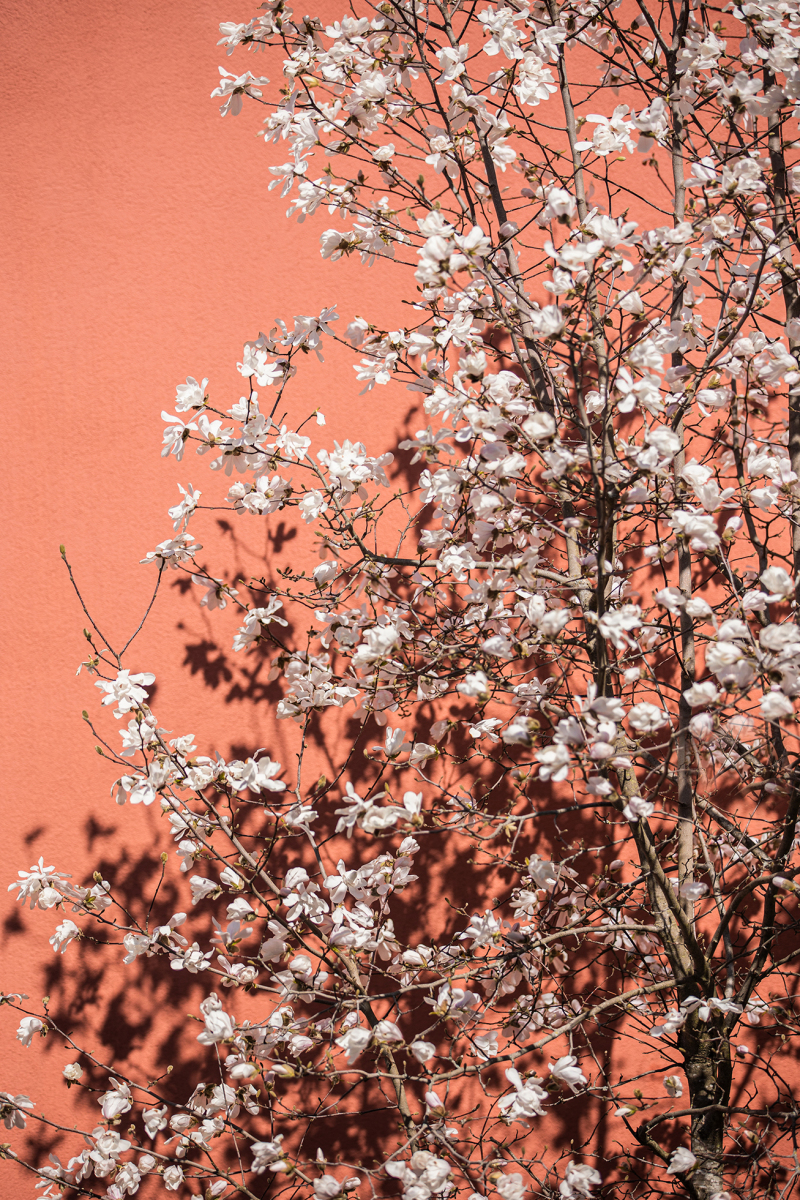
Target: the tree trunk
(707, 1063)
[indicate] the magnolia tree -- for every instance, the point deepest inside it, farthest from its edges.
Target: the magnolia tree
(561, 619)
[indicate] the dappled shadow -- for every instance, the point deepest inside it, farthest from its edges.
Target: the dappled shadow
(141, 1018)
(205, 658)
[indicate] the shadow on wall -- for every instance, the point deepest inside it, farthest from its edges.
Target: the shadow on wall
(141, 1018)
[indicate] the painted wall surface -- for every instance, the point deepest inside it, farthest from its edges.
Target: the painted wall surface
(139, 244)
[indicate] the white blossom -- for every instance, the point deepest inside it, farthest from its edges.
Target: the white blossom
(680, 1161)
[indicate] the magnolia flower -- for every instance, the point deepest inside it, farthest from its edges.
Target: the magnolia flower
(311, 506)
(539, 427)
(775, 705)
(354, 1042)
(126, 691)
(701, 727)
(518, 733)
(64, 934)
(560, 206)
(487, 1044)
(230, 878)
(12, 1110)
(526, 1099)
(474, 684)
(201, 888)
(579, 1180)
(326, 572)
(682, 1160)
(511, 1187)
(647, 718)
(636, 808)
(267, 1155)
(672, 599)
(618, 623)
(115, 1101)
(631, 302)
(72, 1072)
(611, 134)
(421, 753)
(257, 775)
(699, 528)
(673, 1085)
(387, 1031)
(485, 728)
(699, 608)
(231, 89)
(778, 583)
(172, 553)
(155, 1119)
(181, 511)
(29, 1026)
(326, 1187)
(173, 1178)
(126, 1181)
(422, 1176)
(38, 885)
(175, 435)
(217, 592)
(554, 763)
(567, 1070)
(190, 394)
(109, 1143)
(220, 1027)
(701, 693)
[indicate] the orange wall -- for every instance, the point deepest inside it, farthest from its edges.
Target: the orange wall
(139, 244)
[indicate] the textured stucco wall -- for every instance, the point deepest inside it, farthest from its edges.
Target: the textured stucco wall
(139, 244)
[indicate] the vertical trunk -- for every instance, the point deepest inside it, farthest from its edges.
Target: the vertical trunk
(686, 815)
(604, 497)
(707, 1063)
(784, 220)
(787, 240)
